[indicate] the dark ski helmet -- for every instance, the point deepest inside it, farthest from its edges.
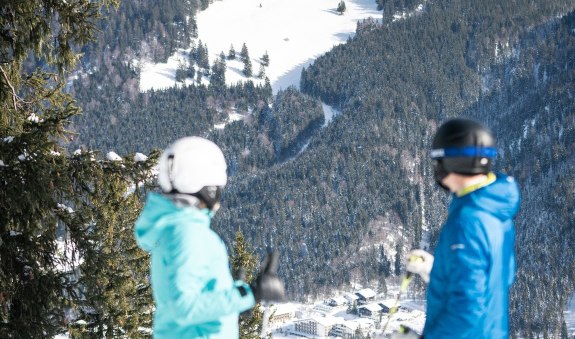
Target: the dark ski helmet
(462, 146)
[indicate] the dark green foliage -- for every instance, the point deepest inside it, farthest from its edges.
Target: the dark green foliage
(181, 73)
(218, 75)
(266, 59)
(112, 279)
(244, 54)
(503, 63)
(291, 122)
(149, 28)
(52, 202)
(232, 53)
(367, 175)
(155, 118)
(200, 56)
(341, 7)
(247, 71)
(244, 260)
(262, 72)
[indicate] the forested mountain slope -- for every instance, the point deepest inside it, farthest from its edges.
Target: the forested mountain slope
(508, 64)
(349, 207)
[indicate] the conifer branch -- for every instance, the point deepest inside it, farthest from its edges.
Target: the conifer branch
(14, 95)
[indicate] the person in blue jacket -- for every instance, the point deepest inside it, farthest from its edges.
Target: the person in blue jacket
(194, 293)
(473, 265)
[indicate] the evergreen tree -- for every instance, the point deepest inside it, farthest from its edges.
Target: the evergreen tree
(359, 333)
(113, 275)
(248, 72)
(218, 77)
(244, 54)
(181, 72)
(266, 59)
(244, 264)
(51, 201)
(232, 53)
(341, 7)
(262, 72)
(202, 56)
(398, 259)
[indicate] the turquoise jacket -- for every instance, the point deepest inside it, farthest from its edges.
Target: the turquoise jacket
(474, 265)
(194, 292)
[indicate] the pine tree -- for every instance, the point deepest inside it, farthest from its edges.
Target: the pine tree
(248, 72)
(341, 7)
(244, 264)
(244, 54)
(262, 72)
(114, 271)
(181, 72)
(232, 53)
(51, 201)
(218, 77)
(397, 270)
(202, 56)
(266, 59)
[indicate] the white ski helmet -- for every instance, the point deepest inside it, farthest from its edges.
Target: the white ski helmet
(190, 164)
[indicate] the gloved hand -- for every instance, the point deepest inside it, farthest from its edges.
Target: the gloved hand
(405, 332)
(420, 262)
(267, 286)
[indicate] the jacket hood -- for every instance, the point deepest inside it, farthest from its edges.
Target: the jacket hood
(501, 198)
(159, 213)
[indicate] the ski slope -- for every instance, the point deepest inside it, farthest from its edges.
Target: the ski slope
(293, 33)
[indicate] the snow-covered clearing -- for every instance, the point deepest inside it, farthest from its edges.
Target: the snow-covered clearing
(293, 33)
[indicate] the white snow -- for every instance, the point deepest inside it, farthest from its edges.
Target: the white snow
(67, 257)
(65, 208)
(569, 314)
(162, 75)
(231, 118)
(329, 113)
(34, 118)
(113, 156)
(139, 157)
(411, 314)
(293, 33)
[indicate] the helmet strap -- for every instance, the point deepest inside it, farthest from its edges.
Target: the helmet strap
(210, 195)
(439, 173)
(171, 173)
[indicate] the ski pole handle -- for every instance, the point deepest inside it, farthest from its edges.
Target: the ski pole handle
(272, 262)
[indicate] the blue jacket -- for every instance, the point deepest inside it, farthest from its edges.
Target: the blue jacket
(474, 266)
(194, 293)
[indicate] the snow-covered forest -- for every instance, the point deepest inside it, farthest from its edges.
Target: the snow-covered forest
(344, 195)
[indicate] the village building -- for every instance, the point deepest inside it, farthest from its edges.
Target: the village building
(370, 310)
(281, 313)
(337, 301)
(365, 295)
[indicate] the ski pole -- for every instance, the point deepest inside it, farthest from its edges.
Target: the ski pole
(402, 289)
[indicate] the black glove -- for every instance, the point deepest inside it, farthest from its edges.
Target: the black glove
(267, 286)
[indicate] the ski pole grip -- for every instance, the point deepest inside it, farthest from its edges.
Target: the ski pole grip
(272, 262)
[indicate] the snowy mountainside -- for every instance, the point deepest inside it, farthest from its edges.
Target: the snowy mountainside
(293, 33)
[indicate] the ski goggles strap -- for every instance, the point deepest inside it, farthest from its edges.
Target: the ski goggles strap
(466, 152)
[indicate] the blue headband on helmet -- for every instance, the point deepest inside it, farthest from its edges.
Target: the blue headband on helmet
(466, 152)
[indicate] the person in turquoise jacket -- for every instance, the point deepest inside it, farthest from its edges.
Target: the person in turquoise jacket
(194, 293)
(473, 265)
